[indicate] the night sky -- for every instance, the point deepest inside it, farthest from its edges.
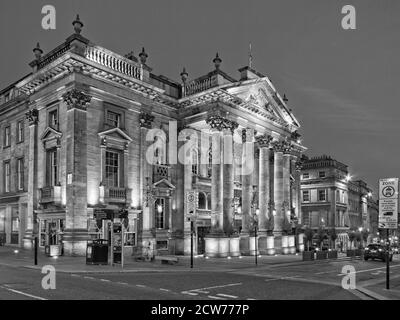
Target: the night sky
(342, 84)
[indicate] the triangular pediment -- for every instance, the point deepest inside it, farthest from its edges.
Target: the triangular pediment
(164, 184)
(261, 94)
(116, 134)
(50, 134)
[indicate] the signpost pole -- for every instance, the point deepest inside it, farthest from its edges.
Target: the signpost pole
(112, 244)
(122, 245)
(387, 260)
(36, 251)
(191, 243)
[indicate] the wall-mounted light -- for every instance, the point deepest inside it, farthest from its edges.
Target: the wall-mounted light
(159, 208)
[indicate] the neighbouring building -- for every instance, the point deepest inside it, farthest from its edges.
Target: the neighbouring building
(91, 138)
(331, 199)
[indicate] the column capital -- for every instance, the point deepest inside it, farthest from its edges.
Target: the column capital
(247, 135)
(220, 123)
(32, 116)
(282, 146)
(264, 141)
(146, 120)
(76, 99)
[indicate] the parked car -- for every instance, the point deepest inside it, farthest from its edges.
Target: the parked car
(395, 249)
(377, 251)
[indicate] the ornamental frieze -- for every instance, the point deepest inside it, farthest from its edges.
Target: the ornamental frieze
(76, 99)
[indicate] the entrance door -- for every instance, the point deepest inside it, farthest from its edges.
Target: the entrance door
(201, 243)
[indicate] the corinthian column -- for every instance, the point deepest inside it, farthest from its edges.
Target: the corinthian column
(247, 187)
(278, 187)
(31, 229)
(228, 176)
(75, 236)
(264, 143)
(146, 177)
(216, 123)
(286, 206)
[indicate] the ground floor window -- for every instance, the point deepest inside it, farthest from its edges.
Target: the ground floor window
(50, 231)
(160, 213)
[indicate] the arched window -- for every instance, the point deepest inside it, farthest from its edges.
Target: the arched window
(209, 201)
(202, 201)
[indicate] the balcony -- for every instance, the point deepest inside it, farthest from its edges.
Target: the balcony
(160, 172)
(114, 194)
(50, 195)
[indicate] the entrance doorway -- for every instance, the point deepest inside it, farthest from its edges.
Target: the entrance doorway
(201, 242)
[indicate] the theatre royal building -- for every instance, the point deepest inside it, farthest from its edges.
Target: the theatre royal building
(91, 139)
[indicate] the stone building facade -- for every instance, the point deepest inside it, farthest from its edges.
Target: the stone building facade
(104, 140)
(330, 198)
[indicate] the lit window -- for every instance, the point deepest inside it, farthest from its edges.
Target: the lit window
(112, 169)
(159, 213)
(52, 167)
(322, 174)
(306, 175)
(113, 119)
(306, 196)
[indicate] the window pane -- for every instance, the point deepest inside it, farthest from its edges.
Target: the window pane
(112, 169)
(113, 119)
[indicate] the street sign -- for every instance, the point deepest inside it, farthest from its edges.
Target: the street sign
(191, 203)
(388, 203)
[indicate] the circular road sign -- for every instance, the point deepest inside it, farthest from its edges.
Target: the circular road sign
(388, 191)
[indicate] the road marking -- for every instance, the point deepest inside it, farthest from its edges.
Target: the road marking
(217, 298)
(250, 299)
(91, 278)
(105, 280)
(201, 291)
(190, 293)
(227, 295)
(23, 293)
(162, 289)
(267, 280)
(140, 286)
(124, 283)
(221, 286)
(75, 275)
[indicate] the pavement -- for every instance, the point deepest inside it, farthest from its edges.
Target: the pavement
(274, 277)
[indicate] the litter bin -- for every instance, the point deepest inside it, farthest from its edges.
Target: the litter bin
(97, 252)
(117, 254)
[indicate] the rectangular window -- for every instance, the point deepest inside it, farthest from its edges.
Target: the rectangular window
(52, 167)
(7, 176)
(53, 119)
(306, 175)
(322, 174)
(7, 136)
(321, 195)
(20, 131)
(112, 169)
(20, 174)
(113, 119)
(306, 196)
(160, 210)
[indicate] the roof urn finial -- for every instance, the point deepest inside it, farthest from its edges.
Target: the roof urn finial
(143, 56)
(184, 75)
(217, 61)
(78, 25)
(130, 55)
(38, 52)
